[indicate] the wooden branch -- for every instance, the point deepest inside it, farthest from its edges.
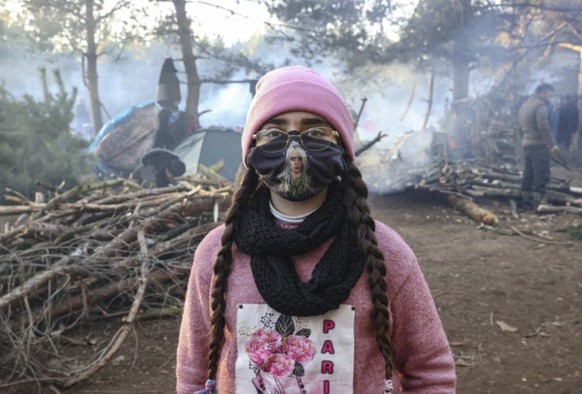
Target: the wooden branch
(539, 6)
(430, 99)
(89, 187)
(212, 174)
(515, 231)
(573, 47)
(410, 100)
(489, 192)
(99, 294)
(19, 209)
(543, 241)
(123, 332)
(496, 229)
(62, 267)
(159, 313)
(357, 120)
(444, 191)
(369, 144)
(140, 194)
(559, 208)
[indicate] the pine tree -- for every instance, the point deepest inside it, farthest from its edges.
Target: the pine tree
(36, 144)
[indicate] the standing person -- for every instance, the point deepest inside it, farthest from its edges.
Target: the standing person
(306, 292)
(173, 125)
(538, 143)
(568, 121)
(83, 125)
(554, 117)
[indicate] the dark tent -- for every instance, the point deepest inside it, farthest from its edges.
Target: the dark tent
(210, 145)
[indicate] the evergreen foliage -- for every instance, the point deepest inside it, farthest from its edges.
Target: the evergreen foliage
(36, 144)
(575, 232)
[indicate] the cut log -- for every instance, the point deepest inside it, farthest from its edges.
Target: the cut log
(472, 210)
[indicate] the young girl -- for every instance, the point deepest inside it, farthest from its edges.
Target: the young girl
(301, 291)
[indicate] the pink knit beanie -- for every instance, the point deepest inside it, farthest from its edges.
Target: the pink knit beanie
(298, 88)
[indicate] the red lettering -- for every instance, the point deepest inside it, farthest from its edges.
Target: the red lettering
(326, 387)
(328, 325)
(327, 347)
(327, 367)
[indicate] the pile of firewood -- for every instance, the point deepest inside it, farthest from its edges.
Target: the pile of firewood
(471, 180)
(484, 161)
(107, 250)
(487, 167)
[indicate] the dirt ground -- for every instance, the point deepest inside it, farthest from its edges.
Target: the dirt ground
(511, 304)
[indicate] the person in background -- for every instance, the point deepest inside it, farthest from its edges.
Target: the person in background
(173, 124)
(305, 292)
(554, 117)
(568, 123)
(83, 126)
(538, 144)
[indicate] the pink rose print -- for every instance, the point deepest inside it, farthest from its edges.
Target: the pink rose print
(280, 353)
(279, 365)
(262, 344)
(299, 348)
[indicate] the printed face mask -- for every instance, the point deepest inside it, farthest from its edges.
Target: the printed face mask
(296, 173)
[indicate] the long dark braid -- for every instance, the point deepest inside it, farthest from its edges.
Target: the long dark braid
(222, 267)
(355, 198)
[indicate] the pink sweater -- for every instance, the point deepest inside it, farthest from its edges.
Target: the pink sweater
(422, 354)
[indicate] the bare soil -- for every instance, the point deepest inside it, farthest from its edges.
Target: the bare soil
(511, 304)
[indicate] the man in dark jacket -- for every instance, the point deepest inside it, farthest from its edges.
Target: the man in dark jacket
(538, 144)
(568, 121)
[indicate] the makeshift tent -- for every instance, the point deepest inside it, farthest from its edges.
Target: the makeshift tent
(127, 137)
(121, 118)
(210, 145)
(122, 142)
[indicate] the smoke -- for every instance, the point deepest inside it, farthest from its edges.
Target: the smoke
(228, 104)
(402, 165)
(123, 83)
(398, 105)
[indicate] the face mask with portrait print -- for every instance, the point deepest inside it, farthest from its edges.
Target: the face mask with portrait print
(296, 173)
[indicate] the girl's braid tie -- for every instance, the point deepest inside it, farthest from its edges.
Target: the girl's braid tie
(210, 388)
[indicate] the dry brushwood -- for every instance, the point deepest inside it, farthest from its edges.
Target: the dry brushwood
(464, 182)
(110, 249)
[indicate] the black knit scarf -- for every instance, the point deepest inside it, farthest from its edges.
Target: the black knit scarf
(271, 248)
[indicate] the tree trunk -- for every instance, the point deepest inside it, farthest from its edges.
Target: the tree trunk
(91, 77)
(577, 143)
(184, 34)
(461, 75)
(461, 71)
